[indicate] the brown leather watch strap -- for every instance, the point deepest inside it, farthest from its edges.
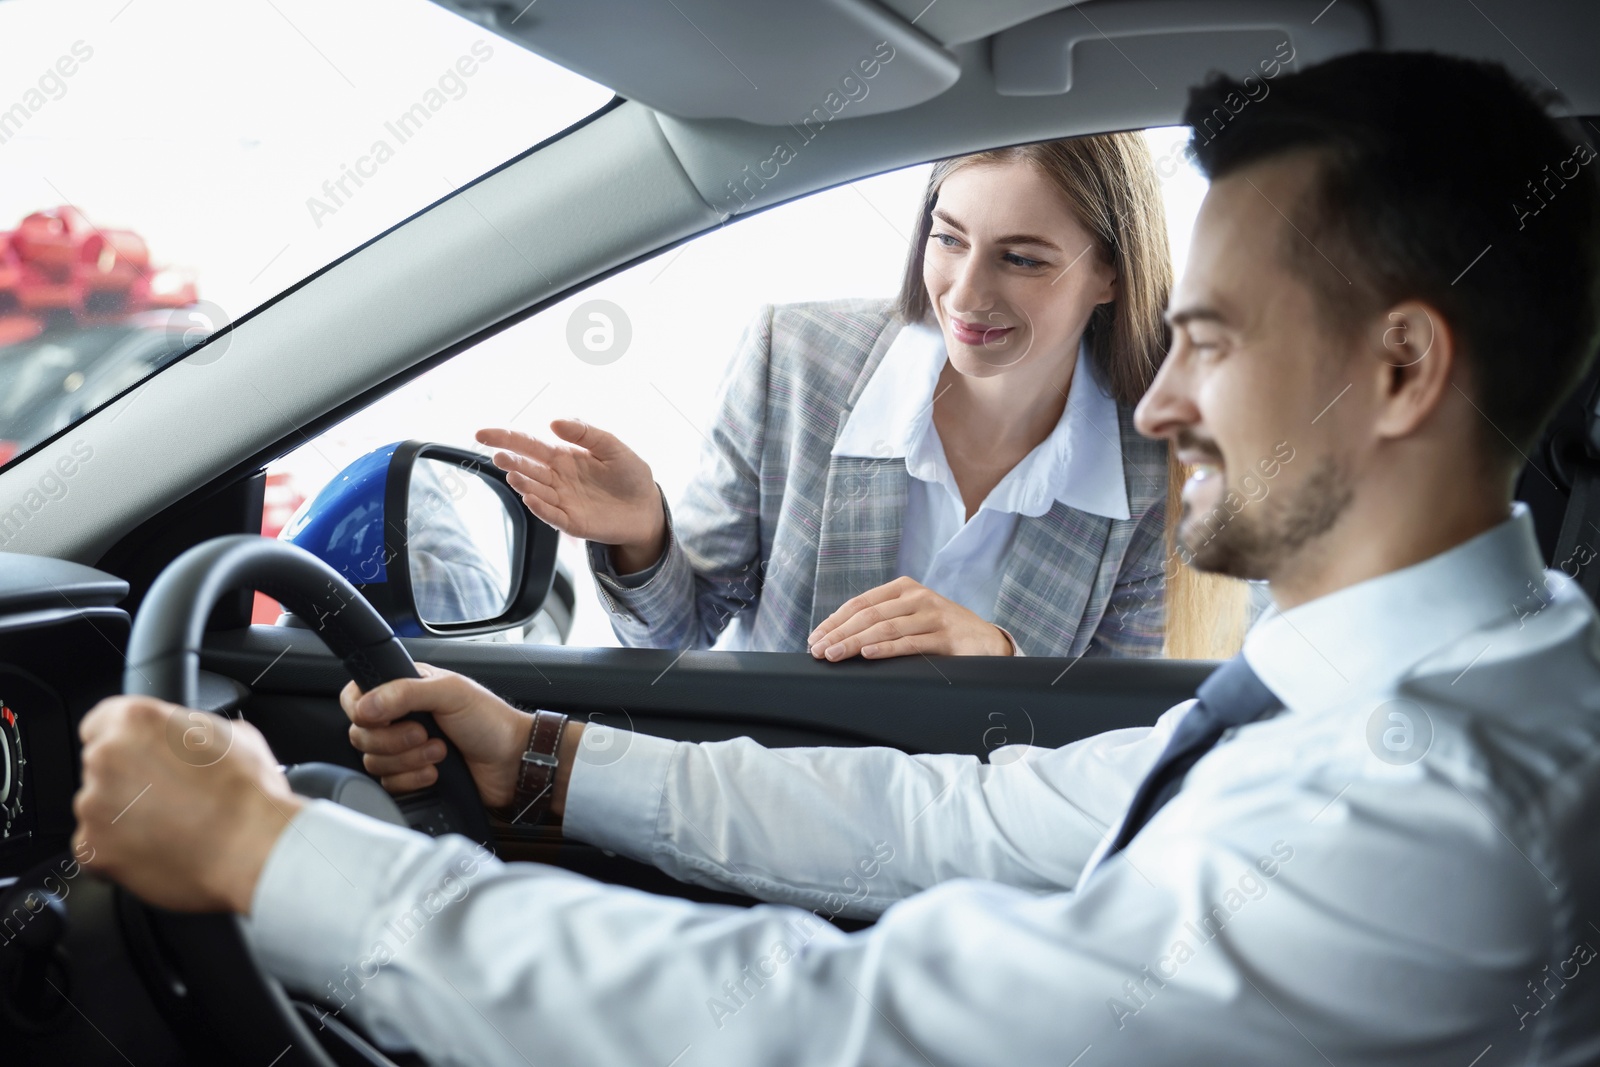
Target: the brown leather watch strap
(536, 773)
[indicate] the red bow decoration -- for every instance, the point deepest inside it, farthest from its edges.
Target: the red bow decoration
(56, 265)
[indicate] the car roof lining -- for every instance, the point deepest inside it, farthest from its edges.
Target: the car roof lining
(774, 64)
(628, 184)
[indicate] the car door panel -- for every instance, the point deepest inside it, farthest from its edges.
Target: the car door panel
(967, 705)
(918, 704)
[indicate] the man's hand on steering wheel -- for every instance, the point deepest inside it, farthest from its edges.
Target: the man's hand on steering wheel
(490, 733)
(182, 807)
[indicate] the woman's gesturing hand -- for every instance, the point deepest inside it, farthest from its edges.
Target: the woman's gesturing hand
(903, 617)
(490, 733)
(593, 487)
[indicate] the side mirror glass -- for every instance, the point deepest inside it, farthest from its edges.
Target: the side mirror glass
(434, 538)
(460, 540)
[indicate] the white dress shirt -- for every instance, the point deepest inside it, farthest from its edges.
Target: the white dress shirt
(1400, 868)
(961, 559)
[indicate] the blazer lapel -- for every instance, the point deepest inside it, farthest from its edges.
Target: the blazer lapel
(1057, 564)
(858, 540)
(859, 543)
(1051, 569)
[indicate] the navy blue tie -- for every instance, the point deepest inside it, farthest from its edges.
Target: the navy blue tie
(1231, 695)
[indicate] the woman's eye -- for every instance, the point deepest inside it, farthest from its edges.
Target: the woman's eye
(1022, 261)
(945, 239)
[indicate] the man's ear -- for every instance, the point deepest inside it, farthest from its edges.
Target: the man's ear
(1415, 367)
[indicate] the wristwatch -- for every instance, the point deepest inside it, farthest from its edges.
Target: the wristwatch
(536, 772)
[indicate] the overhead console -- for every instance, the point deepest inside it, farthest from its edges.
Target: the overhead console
(1245, 38)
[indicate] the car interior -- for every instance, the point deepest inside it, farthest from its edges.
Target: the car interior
(91, 975)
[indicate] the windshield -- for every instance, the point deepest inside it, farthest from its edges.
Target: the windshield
(166, 166)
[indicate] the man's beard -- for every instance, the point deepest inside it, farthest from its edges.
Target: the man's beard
(1253, 541)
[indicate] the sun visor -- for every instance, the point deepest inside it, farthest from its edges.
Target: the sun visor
(768, 63)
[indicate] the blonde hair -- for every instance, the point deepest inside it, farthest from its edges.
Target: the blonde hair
(1110, 183)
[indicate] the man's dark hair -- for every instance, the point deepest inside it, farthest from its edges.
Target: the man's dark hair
(1442, 180)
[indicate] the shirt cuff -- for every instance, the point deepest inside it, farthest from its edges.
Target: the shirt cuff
(616, 790)
(322, 886)
(1016, 649)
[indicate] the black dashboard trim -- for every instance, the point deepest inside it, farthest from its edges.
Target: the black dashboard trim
(29, 583)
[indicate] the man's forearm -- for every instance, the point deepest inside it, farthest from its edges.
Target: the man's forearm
(830, 819)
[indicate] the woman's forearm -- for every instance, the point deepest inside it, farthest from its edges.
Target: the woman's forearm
(638, 555)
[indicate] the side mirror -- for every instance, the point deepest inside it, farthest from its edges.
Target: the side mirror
(434, 538)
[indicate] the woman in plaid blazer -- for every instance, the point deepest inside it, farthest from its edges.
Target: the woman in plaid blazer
(1045, 269)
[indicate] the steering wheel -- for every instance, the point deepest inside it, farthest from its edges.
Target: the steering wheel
(199, 967)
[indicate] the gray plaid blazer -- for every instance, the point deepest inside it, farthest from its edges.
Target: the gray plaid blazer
(775, 533)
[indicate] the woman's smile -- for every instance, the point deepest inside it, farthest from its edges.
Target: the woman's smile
(978, 334)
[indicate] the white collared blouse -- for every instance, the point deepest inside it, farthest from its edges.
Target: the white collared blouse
(1079, 464)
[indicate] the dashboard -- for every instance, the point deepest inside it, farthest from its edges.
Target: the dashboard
(61, 643)
(13, 768)
(87, 972)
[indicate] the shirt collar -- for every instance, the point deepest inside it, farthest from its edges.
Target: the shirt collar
(1079, 464)
(1365, 637)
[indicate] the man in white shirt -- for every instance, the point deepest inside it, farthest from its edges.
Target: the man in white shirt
(1370, 841)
